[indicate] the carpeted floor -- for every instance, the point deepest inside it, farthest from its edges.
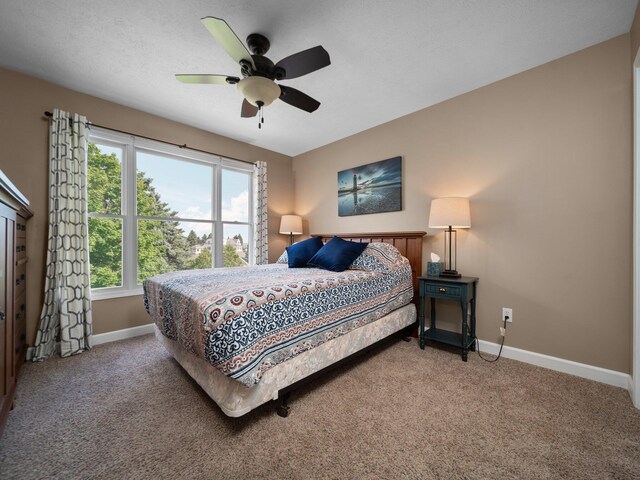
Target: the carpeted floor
(128, 410)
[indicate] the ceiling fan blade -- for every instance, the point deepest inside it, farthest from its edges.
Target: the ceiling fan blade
(298, 99)
(227, 38)
(211, 79)
(248, 110)
(304, 62)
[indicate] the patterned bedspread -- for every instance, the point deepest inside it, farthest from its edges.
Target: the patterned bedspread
(246, 320)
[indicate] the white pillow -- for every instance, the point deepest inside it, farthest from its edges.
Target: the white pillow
(284, 258)
(379, 257)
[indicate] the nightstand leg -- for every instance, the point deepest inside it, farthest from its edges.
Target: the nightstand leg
(421, 323)
(433, 313)
(473, 320)
(464, 331)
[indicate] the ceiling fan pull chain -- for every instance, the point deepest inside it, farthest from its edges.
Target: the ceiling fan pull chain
(259, 116)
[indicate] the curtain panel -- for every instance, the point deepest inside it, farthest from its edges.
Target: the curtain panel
(261, 226)
(67, 296)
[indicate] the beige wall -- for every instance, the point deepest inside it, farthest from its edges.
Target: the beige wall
(545, 157)
(23, 136)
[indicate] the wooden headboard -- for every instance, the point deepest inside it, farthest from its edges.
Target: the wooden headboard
(408, 243)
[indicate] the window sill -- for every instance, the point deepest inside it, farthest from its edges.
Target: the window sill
(105, 294)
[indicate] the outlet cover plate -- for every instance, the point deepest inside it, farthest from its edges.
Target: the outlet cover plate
(507, 312)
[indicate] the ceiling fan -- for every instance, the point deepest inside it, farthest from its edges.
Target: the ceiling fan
(258, 84)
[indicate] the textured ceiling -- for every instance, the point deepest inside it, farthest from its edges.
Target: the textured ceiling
(389, 58)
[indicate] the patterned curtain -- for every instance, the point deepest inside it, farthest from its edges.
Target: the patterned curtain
(67, 303)
(261, 227)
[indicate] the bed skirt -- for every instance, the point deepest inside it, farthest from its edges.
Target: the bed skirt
(235, 399)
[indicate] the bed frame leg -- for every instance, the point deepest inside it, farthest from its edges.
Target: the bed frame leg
(405, 334)
(283, 407)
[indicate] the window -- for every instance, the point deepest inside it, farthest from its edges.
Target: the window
(155, 208)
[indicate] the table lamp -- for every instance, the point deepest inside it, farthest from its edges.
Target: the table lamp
(291, 225)
(450, 213)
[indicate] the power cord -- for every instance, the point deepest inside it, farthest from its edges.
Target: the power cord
(503, 331)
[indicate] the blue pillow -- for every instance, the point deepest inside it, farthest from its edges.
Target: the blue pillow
(300, 253)
(337, 254)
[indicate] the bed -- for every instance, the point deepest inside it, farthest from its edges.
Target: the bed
(251, 335)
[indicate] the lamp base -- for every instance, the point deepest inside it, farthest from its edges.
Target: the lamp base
(450, 274)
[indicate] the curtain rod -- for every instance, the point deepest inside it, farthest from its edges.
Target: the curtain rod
(49, 116)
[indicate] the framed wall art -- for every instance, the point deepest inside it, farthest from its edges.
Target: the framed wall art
(372, 188)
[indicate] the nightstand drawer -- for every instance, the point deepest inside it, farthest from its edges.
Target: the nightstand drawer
(448, 291)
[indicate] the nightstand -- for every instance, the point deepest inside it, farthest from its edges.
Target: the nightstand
(462, 290)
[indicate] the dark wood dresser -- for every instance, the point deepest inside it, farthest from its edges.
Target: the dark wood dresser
(14, 213)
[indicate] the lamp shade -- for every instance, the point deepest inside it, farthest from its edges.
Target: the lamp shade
(259, 89)
(291, 225)
(451, 211)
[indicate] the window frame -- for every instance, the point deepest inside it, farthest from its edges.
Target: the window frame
(130, 144)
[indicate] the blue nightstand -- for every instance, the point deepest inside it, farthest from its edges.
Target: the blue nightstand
(462, 290)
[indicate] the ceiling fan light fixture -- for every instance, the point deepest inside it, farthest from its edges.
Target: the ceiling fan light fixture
(259, 90)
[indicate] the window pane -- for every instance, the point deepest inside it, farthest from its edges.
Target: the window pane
(235, 196)
(200, 243)
(104, 178)
(168, 187)
(166, 246)
(235, 245)
(105, 252)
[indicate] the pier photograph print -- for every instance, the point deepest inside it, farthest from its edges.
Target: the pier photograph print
(372, 188)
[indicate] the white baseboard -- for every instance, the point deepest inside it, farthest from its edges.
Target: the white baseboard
(108, 337)
(121, 334)
(632, 392)
(610, 377)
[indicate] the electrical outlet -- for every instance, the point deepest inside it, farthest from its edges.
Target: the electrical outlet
(507, 313)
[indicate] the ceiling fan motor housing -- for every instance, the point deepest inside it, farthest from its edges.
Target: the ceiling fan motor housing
(264, 67)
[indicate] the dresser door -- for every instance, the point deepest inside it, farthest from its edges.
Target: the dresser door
(10, 263)
(4, 321)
